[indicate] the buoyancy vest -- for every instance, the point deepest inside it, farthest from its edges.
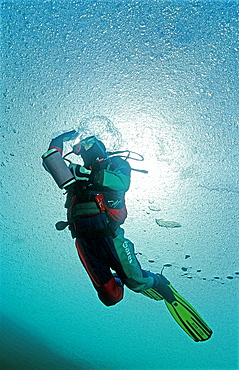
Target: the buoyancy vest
(84, 199)
(91, 204)
(84, 202)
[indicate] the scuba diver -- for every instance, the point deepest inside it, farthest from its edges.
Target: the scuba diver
(96, 210)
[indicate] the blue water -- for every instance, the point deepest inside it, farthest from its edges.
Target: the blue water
(156, 77)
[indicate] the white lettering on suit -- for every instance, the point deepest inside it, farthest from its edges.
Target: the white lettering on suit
(127, 250)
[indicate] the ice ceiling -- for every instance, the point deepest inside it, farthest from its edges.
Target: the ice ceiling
(159, 78)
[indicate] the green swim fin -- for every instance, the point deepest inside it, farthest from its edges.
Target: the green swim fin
(185, 315)
(188, 318)
(152, 293)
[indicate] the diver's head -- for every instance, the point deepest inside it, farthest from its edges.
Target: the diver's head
(90, 149)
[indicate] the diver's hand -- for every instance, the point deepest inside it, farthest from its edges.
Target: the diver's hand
(57, 142)
(98, 166)
(70, 135)
(80, 172)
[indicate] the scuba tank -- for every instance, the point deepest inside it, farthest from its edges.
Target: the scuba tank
(56, 166)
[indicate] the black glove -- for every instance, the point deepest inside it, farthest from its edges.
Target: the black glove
(70, 135)
(81, 173)
(58, 141)
(98, 166)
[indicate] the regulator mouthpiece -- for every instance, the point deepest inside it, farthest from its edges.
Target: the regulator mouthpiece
(77, 148)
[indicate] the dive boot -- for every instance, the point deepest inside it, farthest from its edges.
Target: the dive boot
(160, 289)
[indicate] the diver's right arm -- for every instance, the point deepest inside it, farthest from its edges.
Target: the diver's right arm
(57, 142)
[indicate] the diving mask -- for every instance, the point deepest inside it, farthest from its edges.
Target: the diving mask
(83, 145)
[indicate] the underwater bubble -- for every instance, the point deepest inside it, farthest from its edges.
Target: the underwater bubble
(199, 270)
(154, 205)
(167, 265)
(189, 277)
(167, 224)
(151, 260)
(152, 208)
(103, 129)
(138, 253)
(216, 277)
(230, 277)
(237, 272)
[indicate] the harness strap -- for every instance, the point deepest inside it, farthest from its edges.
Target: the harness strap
(93, 234)
(79, 210)
(86, 235)
(85, 209)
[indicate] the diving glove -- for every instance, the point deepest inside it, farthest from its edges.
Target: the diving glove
(80, 172)
(70, 135)
(57, 142)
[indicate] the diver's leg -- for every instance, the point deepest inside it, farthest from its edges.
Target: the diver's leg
(137, 279)
(110, 290)
(92, 250)
(156, 286)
